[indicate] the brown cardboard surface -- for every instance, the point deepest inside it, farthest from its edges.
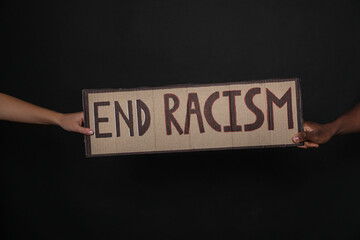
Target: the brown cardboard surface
(192, 117)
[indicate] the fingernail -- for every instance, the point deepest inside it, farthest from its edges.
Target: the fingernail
(296, 138)
(90, 132)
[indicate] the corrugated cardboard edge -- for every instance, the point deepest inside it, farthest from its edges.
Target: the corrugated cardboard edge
(85, 100)
(299, 108)
(85, 103)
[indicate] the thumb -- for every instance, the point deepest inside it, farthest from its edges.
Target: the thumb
(304, 136)
(85, 131)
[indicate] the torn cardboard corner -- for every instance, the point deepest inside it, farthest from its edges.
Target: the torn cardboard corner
(192, 117)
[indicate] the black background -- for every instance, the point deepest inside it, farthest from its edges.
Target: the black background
(51, 50)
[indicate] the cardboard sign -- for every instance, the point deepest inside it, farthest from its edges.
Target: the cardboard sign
(192, 117)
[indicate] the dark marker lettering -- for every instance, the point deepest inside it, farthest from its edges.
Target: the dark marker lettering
(208, 111)
(169, 117)
(128, 120)
(99, 120)
(258, 113)
(141, 107)
(286, 98)
(232, 108)
(193, 98)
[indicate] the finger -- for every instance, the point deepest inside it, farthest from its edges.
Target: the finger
(303, 147)
(308, 144)
(311, 144)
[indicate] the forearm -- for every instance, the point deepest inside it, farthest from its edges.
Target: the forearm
(13, 109)
(347, 123)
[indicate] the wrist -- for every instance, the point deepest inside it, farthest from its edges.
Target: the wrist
(335, 127)
(56, 119)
